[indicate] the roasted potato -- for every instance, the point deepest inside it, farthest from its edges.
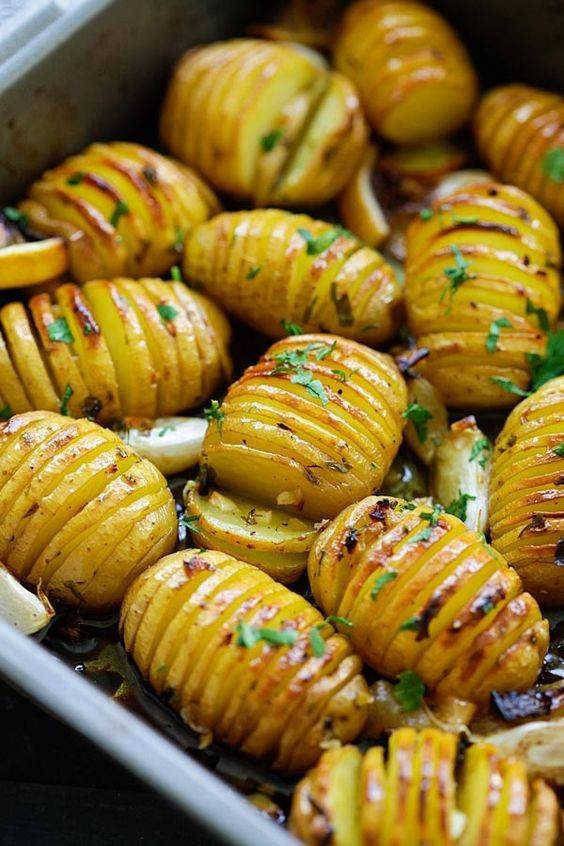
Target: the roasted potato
(520, 134)
(123, 209)
(244, 658)
(271, 268)
(112, 349)
(24, 265)
(414, 76)
(482, 288)
(359, 207)
(411, 797)
(526, 494)
(264, 121)
(311, 428)
(80, 513)
(423, 593)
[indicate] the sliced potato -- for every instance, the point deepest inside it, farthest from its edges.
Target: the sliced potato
(359, 207)
(33, 263)
(269, 538)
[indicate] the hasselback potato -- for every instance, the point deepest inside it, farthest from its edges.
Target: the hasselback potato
(413, 796)
(270, 268)
(112, 349)
(123, 209)
(424, 593)
(414, 76)
(234, 652)
(80, 513)
(482, 288)
(520, 134)
(311, 428)
(264, 121)
(526, 493)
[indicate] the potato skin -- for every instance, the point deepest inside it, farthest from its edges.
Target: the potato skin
(454, 611)
(516, 127)
(415, 78)
(508, 248)
(179, 623)
(82, 515)
(122, 208)
(526, 496)
(130, 348)
(264, 121)
(280, 444)
(355, 799)
(256, 265)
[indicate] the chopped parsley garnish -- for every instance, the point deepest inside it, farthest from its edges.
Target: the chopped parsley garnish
(76, 178)
(557, 450)
(423, 535)
(189, 521)
(495, 330)
(456, 275)
(544, 368)
(553, 164)
(59, 330)
(540, 314)
(64, 406)
(409, 691)
(270, 141)
(318, 245)
(6, 412)
(340, 374)
(432, 516)
(412, 624)
(317, 641)
(248, 636)
(342, 305)
(462, 220)
(509, 386)
(14, 215)
(480, 451)
(382, 581)
(341, 621)
(459, 506)
(162, 432)
(419, 416)
(291, 328)
(179, 241)
(214, 412)
(176, 273)
(253, 272)
(294, 361)
(120, 209)
(426, 214)
(167, 312)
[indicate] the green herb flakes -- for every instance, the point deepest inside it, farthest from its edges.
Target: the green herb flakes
(214, 412)
(270, 141)
(64, 405)
(167, 312)
(248, 636)
(495, 330)
(59, 330)
(553, 164)
(120, 209)
(409, 691)
(381, 582)
(459, 506)
(419, 416)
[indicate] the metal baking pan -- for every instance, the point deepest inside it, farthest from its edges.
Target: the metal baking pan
(97, 71)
